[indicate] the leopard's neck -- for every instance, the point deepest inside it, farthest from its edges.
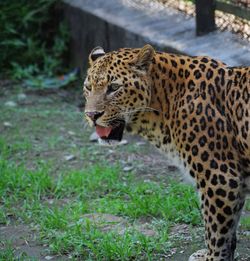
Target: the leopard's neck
(155, 123)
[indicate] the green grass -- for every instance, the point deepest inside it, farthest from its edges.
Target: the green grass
(87, 240)
(18, 183)
(245, 222)
(8, 253)
(247, 205)
(151, 199)
(57, 206)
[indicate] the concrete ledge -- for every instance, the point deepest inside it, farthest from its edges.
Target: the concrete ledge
(119, 23)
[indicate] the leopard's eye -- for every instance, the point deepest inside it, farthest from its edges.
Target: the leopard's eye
(113, 87)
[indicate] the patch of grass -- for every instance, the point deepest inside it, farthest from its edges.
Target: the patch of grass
(245, 222)
(8, 253)
(6, 149)
(56, 206)
(247, 205)
(176, 202)
(18, 183)
(92, 182)
(110, 192)
(88, 241)
(3, 216)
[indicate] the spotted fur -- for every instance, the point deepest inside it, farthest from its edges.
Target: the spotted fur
(196, 111)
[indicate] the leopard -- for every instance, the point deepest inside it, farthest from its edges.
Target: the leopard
(196, 111)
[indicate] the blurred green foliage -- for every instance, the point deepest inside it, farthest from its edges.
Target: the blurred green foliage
(33, 38)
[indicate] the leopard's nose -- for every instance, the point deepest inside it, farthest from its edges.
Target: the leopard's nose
(94, 115)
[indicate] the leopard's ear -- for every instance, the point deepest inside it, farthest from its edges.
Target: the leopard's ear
(95, 53)
(144, 57)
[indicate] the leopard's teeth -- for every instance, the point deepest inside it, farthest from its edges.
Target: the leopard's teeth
(108, 142)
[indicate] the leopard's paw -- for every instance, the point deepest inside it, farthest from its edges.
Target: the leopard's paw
(200, 255)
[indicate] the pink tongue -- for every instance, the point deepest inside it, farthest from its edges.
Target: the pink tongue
(103, 131)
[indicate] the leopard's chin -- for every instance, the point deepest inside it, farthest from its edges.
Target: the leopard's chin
(110, 135)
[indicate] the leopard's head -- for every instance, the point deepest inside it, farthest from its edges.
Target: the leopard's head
(117, 89)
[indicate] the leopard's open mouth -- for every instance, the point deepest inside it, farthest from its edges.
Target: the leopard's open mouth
(114, 133)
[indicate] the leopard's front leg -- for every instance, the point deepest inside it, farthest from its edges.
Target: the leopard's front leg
(221, 202)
